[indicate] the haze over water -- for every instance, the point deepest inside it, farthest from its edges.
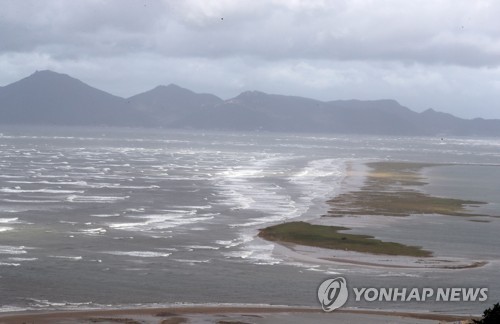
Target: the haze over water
(119, 218)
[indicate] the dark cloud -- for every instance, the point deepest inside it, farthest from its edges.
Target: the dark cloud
(268, 30)
(359, 48)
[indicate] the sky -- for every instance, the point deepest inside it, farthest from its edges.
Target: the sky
(440, 54)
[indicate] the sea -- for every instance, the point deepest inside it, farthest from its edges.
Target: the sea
(126, 218)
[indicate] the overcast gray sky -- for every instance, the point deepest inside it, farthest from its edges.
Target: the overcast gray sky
(441, 54)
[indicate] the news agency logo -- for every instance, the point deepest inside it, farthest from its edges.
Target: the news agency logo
(333, 294)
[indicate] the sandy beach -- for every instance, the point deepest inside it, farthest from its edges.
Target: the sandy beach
(316, 255)
(227, 315)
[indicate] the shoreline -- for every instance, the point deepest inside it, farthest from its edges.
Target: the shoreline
(363, 181)
(230, 314)
(315, 255)
(394, 189)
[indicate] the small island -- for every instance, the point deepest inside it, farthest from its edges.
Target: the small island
(331, 237)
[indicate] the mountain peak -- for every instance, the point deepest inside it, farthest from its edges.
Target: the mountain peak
(252, 93)
(47, 97)
(250, 96)
(429, 111)
(45, 72)
(174, 86)
(48, 73)
(48, 77)
(171, 88)
(432, 112)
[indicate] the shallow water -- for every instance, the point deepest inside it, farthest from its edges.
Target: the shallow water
(119, 217)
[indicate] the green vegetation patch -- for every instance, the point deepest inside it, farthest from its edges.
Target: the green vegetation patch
(329, 237)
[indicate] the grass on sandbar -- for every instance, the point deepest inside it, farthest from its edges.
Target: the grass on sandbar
(322, 236)
(390, 190)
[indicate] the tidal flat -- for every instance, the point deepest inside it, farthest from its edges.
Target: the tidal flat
(392, 189)
(389, 189)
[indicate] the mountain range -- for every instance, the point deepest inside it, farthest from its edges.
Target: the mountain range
(50, 98)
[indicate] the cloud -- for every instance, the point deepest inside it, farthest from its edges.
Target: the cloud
(429, 32)
(441, 53)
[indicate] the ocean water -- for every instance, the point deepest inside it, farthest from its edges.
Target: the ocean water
(93, 218)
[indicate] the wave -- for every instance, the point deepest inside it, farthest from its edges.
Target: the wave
(67, 257)
(94, 231)
(320, 178)
(261, 254)
(12, 220)
(192, 262)
(159, 222)
(95, 199)
(202, 247)
(13, 250)
(105, 215)
(31, 201)
(10, 264)
(22, 259)
(312, 185)
(69, 183)
(46, 304)
(45, 190)
(140, 254)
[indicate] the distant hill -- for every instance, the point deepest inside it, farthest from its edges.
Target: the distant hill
(49, 98)
(171, 106)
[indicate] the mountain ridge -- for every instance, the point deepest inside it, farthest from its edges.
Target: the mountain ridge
(51, 98)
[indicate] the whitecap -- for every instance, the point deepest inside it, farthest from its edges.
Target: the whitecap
(140, 254)
(202, 247)
(94, 231)
(67, 257)
(4, 309)
(31, 201)
(16, 259)
(9, 220)
(45, 190)
(105, 215)
(7, 249)
(191, 262)
(95, 199)
(10, 264)
(157, 222)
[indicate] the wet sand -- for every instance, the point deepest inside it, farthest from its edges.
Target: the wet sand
(315, 255)
(392, 189)
(221, 314)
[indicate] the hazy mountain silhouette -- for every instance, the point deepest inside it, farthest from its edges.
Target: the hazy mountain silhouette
(171, 106)
(49, 98)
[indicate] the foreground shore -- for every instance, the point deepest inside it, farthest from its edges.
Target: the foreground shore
(228, 314)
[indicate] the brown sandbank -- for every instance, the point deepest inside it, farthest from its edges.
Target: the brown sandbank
(390, 189)
(223, 313)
